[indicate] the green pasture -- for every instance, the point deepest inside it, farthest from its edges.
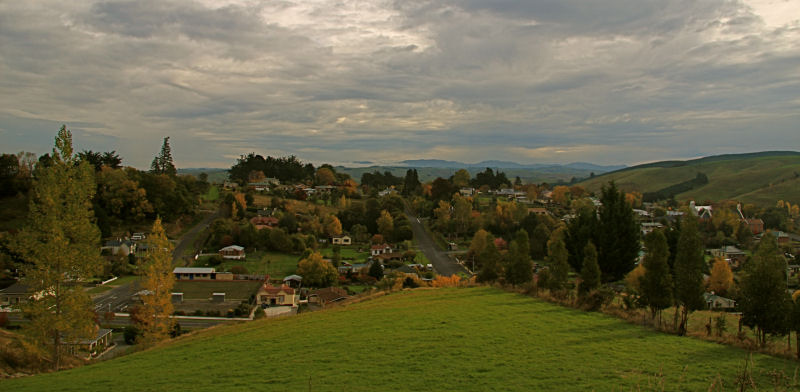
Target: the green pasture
(274, 264)
(477, 339)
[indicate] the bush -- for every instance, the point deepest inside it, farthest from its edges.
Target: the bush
(238, 270)
(596, 299)
(212, 313)
(198, 313)
(131, 333)
(215, 260)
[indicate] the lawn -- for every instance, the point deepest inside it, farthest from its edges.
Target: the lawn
(348, 253)
(212, 194)
(110, 285)
(475, 339)
(274, 264)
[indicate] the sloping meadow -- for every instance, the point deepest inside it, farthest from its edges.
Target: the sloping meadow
(428, 339)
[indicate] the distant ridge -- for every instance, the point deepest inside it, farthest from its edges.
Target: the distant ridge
(439, 163)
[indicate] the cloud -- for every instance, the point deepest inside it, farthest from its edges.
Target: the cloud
(620, 81)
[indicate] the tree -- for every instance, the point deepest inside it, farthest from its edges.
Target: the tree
(580, 231)
(721, 279)
(376, 270)
(157, 280)
(590, 271)
(162, 163)
(489, 258)
(61, 246)
(520, 266)
(656, 284)
(333, 227)
(316, 272)
(325, 176)
(559, 267)
(385, 224)
(539, 241)
(617, 237)
(763, 299)
(689, 271)
(461, 178)
(411, 184)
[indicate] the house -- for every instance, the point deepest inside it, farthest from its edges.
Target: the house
(467, 192)
(17, 293)
(138, 236)
(641, 213)
(649, 227)
(324, 188)
(353, 268)
(387, 191)
(258, 186)
(327, 295)
(500, 243)
(92, 347)
(119, 247)
(264, 222)
(702, 212)
(715, 302)
(342, 240)
(293, 281)
(541, 211)
(756, 225)
(233, 252)
(732, 254)
(376, 250)
(269, 295)
(230, 185)
(184, 273)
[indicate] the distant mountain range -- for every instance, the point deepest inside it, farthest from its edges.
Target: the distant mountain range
(439, 163)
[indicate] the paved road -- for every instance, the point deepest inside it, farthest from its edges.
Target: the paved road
(443, 264)
(189, 237)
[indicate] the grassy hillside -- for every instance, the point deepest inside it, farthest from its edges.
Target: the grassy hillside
(445, 339)
(761, 179)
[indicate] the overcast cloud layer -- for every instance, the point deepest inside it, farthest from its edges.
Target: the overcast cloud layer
(617, 81)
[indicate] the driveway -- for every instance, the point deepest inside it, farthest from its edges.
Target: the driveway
(188, 237)
(443, 264)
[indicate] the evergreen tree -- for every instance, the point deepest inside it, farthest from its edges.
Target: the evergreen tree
(656, 284)
(689, 271)
(162, 163)
(376, 270)
(763, 300)
(580, 231)
(61, 245)
(158, 280)
(489, 257)
(520, 266)
(617, 235)
(411, 184)
(590, 271)
(559, 266)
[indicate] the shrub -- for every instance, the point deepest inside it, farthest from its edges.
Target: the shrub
(215, 260)
(239, 270)
(198, 313)
(596, 299)
(131, 333)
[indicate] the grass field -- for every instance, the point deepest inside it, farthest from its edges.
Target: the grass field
(476, 339)
(212, 194)
(761, 180)
(274, 264)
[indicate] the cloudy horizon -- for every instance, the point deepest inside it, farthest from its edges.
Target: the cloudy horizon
(548, 81)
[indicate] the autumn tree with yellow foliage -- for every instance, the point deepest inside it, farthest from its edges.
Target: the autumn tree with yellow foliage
(721, 280)
(158, 280)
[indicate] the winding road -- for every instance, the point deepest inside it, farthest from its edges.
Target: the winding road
(443, 264)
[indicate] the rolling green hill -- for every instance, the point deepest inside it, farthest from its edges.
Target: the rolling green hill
(473, 339)
(758, 178)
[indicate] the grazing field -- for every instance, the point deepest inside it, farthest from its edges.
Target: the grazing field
(474, 339)
(761, 179)
(274, 264)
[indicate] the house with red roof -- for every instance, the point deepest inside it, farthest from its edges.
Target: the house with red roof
(376, 250)
(269, 295)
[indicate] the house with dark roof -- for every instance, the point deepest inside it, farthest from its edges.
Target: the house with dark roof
(327, 295)
(14, 295)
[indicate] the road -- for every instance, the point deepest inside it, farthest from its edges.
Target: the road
(188, 237)
(443, 264)
(118, 299)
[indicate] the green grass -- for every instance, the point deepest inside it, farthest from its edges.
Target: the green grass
(119, 282)
(274, 264)
(212, 194)
(349, 253)
(447, 339)
(761, 180)
(234, 290)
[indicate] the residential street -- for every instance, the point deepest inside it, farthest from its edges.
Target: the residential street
(188, 237)
(443, 264)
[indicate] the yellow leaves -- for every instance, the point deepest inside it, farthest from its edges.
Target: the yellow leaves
(721, 279)
(633, 279)
(157, 280)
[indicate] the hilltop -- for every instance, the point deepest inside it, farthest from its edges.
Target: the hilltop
(426, 339)
(758, 178)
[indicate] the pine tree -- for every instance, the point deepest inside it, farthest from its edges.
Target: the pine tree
(60, 244)
(520, 266)
(656, 284)
(689, 271)
(489, 257)
(617, 235)
(157, 280)
(162, 163)
(559, 267)
(590, 272)
(763, 299)
(376, 270)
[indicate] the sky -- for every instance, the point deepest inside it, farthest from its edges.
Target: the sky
(344, 81)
